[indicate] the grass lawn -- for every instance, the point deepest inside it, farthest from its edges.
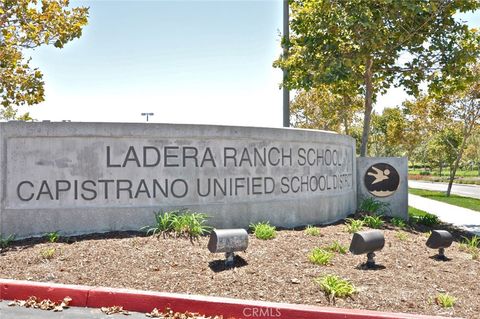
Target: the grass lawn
(412, 211)
(466, 202)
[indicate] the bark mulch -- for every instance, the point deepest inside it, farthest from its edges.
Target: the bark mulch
(407, 280)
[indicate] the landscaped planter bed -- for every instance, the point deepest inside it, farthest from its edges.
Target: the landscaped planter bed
(407, 280)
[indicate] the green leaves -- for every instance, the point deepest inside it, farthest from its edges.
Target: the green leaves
(27, 24)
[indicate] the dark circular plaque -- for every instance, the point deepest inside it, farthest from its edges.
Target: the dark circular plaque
(381, 180)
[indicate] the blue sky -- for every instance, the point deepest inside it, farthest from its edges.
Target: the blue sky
(186, 61)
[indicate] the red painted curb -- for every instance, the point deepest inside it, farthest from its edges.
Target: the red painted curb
(145, 301)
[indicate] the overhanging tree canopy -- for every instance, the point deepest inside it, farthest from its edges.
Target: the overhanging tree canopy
(359, 42)
(27, 24)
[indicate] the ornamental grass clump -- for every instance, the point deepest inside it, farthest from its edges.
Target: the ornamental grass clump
(336, 247)
(320, 256)
(335, 286)
(179, 223)
(470, 245)
(263, 230)
(375, 221)
(353, 225)
(373, 206)
(312, 231)
(445, 300)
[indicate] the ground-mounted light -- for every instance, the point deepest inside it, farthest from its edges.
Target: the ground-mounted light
(440, 239)
(367, 242)
(228, 241)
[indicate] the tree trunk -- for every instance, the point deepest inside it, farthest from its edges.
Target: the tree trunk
(368, 106)
(466, 134)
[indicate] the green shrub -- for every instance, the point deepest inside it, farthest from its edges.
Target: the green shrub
(53, 236)
(353, 225)
(373, 221)
(334, 286)
(5, 242)
(320, 256)
(428, 220)
(445, 300)
(193, 225)
(374, 206)
(398, 222)
(425, 173)
(312, 231)
(263, 230)
(336, 247)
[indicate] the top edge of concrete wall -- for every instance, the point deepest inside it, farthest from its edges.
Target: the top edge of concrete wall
(146, 129)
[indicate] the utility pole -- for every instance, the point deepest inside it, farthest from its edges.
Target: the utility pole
(286, 92)
(147, 115)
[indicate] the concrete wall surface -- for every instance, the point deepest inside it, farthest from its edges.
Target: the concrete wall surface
(386, 180)
(93, 177)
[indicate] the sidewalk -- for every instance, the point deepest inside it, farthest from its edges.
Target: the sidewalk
(458, 216)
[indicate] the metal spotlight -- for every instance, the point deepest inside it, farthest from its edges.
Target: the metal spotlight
(440, 239)
(367, 242)
(228, 241)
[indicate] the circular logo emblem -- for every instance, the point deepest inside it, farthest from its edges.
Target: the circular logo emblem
(381, 180)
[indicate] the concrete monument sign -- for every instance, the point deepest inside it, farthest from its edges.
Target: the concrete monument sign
(386, 179)
(87, 177)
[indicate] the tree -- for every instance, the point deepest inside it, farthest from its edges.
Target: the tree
(321, 108)
(388, 133)
(464, 107)
(358, 43)
(28, 24)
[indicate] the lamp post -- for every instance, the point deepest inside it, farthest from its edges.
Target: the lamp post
(286, 92)
(147, 115)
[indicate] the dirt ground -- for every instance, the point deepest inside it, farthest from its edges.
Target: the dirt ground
(407, 280)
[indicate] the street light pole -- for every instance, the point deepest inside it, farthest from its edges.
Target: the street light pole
(147, 115)
(286, 92)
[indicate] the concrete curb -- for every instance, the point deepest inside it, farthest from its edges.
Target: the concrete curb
(145, 301)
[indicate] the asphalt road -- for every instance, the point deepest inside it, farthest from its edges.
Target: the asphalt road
(457, 189)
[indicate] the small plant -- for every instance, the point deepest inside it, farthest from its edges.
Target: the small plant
(263, 230)
(402, 236)
(445, 300)
(398, 222)
(375, 222)
(471, 246)
(336, 247)
(312, 231)
(334, 286)
(353, 225)
(48, 253)
(374, 206)
(427, 219)
(320, 256)
(53, 237)
(5, 242)
(193, 225)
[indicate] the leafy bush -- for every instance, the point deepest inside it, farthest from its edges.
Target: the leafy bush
(336, 247)
(374, 206)
(398, 222)
(334, 286)
(428, 220)
(53, 237)
(5, 242)
(320, 256)
(263, 230)
(375, 222)
(445, 300)
(312, 231)
(353, 225)
(425, 173)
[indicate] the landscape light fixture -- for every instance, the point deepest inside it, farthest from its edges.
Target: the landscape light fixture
(367, 242)
(147, 115)
(440, 239)
(228, 241)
